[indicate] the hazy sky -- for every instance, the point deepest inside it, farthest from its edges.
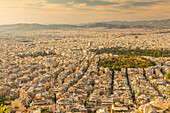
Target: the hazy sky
(81, 11)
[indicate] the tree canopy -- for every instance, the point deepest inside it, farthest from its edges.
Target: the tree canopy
(3, 109)
(135, 52)
(168, 74)
(116, 63)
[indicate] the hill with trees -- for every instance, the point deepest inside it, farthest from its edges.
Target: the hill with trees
(116, 63)
(135, 52)
(164, 24)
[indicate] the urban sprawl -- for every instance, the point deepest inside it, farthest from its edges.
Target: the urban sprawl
(56, 71)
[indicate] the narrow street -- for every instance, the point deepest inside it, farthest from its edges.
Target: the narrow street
(133, 96)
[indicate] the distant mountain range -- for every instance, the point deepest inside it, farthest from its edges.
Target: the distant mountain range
(113, 24)
(133, 24)
(35, 26)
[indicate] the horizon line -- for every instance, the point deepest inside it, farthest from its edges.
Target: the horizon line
(31, 23)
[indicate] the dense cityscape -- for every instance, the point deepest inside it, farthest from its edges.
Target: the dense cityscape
(58, 71)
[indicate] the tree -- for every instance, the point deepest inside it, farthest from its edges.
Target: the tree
(135, 52)
(3, 109)
(168, 74)
(116, 63)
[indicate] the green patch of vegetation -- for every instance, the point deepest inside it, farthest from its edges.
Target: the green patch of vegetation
(168, 74)
(116, 63)
(3, 109)
(135, 52)
(57, 39)
(25, 41)
(2, 101)
(44, 111)
(45, 54)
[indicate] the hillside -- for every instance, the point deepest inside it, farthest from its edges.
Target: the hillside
(113, 24)
(34, 26)
(133, 24)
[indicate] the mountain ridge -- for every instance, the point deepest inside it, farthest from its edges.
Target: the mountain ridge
(165, 23)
